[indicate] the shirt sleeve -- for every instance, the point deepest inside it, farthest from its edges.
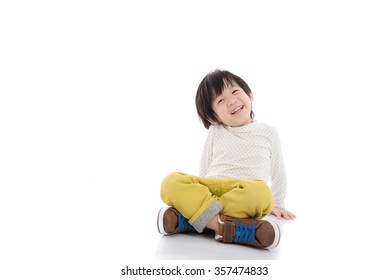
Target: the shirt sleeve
(277, 172)
(206, 156)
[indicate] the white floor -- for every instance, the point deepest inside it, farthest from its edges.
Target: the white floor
(204, 247)
(311, 247)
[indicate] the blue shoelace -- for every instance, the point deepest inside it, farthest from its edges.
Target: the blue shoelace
(244, 232)
(183, 223)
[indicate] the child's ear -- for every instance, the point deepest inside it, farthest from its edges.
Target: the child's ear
(251, 96)
(213, 122)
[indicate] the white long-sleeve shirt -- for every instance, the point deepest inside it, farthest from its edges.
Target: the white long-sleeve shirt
(249, 152)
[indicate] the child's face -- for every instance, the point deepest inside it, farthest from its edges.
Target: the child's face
(233, 106)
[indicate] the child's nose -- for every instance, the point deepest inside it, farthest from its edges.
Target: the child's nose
(231, 101)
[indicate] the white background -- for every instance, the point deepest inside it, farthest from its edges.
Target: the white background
(97, 106)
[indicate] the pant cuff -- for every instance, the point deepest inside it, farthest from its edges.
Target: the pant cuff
(207, 215)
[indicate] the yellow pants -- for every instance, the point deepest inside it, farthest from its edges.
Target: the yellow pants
(199, 199)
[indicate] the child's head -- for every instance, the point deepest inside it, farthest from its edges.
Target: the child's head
(224, 98)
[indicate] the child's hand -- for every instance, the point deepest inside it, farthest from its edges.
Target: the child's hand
(282, 213)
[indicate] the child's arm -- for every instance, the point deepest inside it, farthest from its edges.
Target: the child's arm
(206, 156)
(278, 181)
(277, 172)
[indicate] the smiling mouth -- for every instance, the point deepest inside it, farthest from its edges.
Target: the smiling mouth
(237, 110)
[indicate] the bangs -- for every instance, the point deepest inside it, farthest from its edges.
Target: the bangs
(219, 82)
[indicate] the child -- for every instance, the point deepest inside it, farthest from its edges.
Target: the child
(240, 155)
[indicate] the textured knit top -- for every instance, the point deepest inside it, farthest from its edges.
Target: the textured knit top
(250, 152)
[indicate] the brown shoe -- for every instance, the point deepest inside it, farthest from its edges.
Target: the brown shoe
(170, 221)
(258, 233)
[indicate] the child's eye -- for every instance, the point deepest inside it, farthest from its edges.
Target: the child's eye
(220, 101)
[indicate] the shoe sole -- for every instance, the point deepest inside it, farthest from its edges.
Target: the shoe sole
(277, 235)
(161, 214)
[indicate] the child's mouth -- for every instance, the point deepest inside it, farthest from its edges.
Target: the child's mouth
(237, 110)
